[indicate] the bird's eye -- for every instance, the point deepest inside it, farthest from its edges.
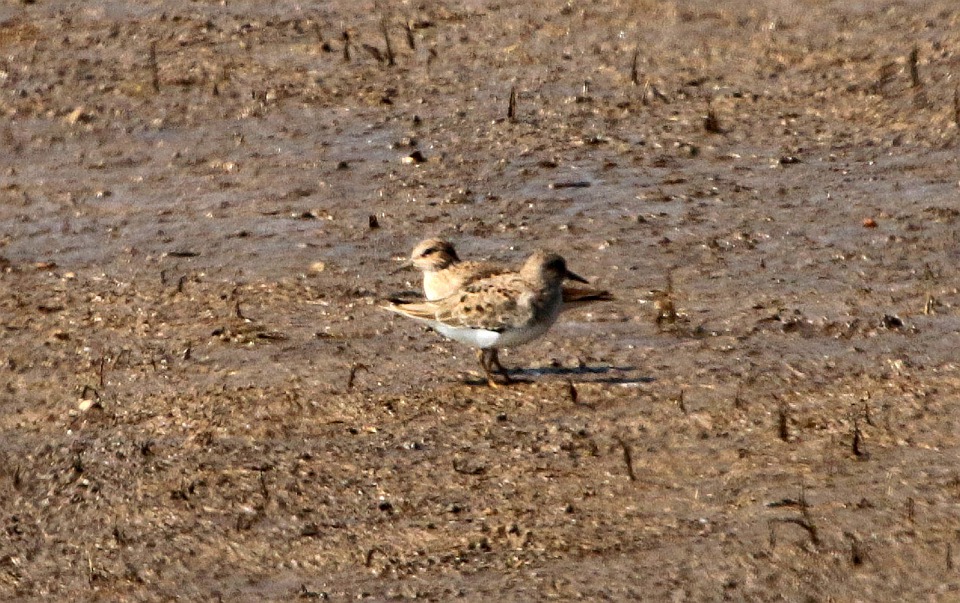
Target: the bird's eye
(431, 251)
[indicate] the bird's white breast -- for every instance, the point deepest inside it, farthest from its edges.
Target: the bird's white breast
(435, 286)
(485, 338)
(478, 338)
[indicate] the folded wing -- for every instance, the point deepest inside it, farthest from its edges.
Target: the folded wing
(488, 304)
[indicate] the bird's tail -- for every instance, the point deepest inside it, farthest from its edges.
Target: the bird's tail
(417, 310)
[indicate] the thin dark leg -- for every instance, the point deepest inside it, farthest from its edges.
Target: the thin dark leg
(484, 357)
(494, 363)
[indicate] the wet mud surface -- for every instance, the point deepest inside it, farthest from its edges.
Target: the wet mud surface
(202, 205)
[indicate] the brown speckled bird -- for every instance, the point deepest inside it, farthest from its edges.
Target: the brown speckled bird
(499, 311)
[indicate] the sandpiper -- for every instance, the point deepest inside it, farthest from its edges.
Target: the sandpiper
(499, 311)
(444, 273)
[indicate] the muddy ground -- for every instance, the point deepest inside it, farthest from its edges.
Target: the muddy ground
(202, 203)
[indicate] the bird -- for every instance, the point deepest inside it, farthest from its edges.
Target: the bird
(444, 273)
(499, 311)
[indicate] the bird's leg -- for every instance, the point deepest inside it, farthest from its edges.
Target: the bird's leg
(494, 363)
(484, 357)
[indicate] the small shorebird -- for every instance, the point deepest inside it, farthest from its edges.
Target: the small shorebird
(444, 273)
(499, 311)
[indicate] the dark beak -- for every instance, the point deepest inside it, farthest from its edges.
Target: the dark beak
(575, 277)
(404, 265)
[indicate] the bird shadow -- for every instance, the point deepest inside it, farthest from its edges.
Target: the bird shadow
(615, 375)
(590, 374)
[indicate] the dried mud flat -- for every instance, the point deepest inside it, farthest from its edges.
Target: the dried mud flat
(202, 203)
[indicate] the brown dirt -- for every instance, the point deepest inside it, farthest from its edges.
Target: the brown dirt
(177, 417)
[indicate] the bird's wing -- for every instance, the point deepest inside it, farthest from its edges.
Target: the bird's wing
(496, 304)
(475, 271)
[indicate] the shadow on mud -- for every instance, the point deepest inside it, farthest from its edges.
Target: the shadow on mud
(616, 375)
(585, 374)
